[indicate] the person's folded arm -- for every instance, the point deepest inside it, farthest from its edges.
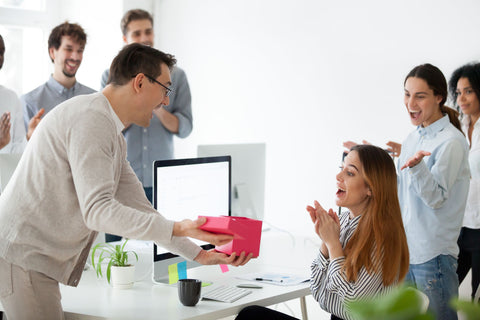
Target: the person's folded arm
(366, 283)
(182, 107)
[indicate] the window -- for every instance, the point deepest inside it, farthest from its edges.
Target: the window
(24, 67)
(37, 5)
(25, 26)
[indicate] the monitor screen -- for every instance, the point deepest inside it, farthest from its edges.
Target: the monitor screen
(185, 189)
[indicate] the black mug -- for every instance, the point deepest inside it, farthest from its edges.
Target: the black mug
(189, 291)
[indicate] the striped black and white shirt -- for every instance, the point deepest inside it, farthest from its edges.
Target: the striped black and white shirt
(329, 286)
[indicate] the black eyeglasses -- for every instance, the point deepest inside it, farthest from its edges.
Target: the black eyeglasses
(169, 91)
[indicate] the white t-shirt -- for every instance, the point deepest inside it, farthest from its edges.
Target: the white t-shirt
(472, 211)
(9, 102)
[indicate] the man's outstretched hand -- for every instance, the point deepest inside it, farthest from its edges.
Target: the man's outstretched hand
(416, 159)
(214, 257)
(189, 228)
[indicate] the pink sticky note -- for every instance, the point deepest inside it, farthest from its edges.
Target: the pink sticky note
(224, 268)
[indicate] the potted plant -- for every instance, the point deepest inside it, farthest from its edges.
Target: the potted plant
(120, 273)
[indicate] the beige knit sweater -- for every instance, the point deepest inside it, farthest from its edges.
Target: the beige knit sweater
(72, 181)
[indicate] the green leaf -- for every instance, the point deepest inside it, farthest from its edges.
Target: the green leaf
(114, 254)
(426, 316)
(109, 270)
(136, 256)
(400, 304)
(470, 309)
(123, 246)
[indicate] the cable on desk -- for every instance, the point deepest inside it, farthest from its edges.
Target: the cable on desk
(282, 230)
(312, 241)
(147, 274)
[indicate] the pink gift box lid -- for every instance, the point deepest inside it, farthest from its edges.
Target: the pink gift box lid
(246, 233)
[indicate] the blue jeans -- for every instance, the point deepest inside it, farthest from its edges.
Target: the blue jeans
(438, 279)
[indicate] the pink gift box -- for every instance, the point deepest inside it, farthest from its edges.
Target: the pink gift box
(246, 233)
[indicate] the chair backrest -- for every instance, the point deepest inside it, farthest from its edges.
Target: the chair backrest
(8, 163)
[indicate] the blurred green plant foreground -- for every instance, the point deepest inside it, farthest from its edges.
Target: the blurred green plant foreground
(404, 303)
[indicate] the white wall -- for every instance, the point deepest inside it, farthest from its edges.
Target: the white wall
(101, 22)
(302, 75)
(26, 35)
(305, 75)
(25, 32)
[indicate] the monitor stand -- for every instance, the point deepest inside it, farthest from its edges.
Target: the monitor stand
(243, 206)
(160, 269)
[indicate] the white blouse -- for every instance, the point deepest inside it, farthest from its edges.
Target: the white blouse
(472, 211)
(9, 102)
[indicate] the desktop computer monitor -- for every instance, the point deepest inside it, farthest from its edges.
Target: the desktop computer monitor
(185, 189)
(248, 176)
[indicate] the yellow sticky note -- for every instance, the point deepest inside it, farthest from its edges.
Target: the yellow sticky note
(172, 273)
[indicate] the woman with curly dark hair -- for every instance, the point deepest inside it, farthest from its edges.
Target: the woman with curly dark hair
(464, 87)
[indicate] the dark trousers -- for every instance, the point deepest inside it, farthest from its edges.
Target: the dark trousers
(111, 237)
(469, 257)
(262, 313)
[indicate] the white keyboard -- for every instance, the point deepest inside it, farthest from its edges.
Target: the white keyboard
(226, 293)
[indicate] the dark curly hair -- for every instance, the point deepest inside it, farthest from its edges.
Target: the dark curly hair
(471, 71)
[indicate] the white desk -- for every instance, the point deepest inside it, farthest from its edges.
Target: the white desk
(95, 299)
(279, 252)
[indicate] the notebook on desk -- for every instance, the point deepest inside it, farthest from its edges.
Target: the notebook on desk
(275, 278)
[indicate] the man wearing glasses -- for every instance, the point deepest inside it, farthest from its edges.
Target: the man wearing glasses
(146, 145)
(83, 183)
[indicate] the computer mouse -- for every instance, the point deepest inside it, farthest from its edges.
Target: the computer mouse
(249, 286)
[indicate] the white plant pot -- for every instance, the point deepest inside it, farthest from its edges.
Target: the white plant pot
(123, 277)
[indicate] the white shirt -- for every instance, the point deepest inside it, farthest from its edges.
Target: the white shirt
(472, 210)
(433, 193)
(9, 102)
